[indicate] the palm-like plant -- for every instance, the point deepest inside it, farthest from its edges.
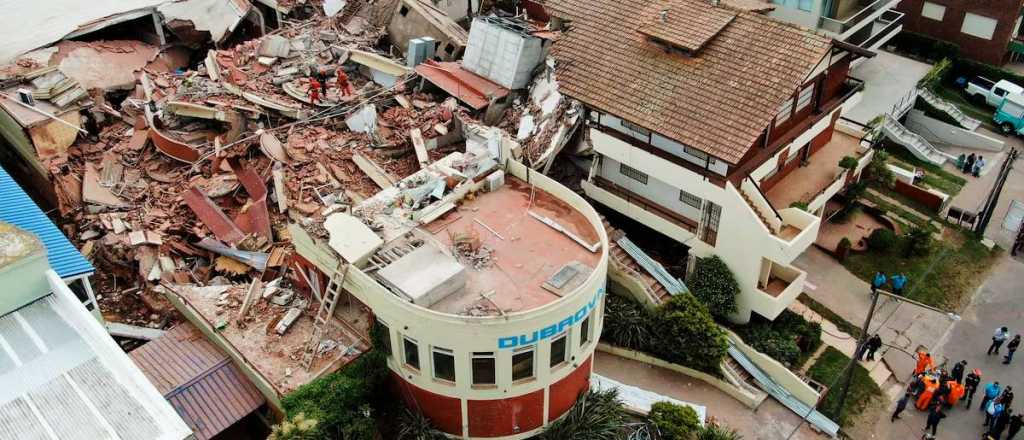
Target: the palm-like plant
(597, 415)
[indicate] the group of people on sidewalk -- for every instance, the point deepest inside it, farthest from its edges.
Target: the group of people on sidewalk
(971, 164)
(935, 390)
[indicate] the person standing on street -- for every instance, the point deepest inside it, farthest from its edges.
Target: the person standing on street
(1010, 347)
(878, 281)
(991, 392)
(971, 385)
(999, 424)
(872, 346)
(935, 415)
(958, 371)
(1007, 397)
(1015, 423)
(997, 340)
(900, 406)
(992, 413)
(899, 281)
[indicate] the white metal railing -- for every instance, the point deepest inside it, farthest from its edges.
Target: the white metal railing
(840, 26)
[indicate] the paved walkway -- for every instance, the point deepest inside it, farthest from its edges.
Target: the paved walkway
(903, 328)
(888, 78)
(996, 303)
(771, 420)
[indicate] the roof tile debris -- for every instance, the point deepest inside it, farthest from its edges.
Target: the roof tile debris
(718, 101)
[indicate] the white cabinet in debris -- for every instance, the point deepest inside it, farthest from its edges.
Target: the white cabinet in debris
(502, 50)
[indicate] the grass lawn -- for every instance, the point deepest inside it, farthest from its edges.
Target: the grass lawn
(954, 95)
(944, 278)
(829, 370)
(934, 176)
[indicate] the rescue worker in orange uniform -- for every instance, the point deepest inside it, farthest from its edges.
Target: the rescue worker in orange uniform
(930, 386)
(924, 362)
(344, 87)
(956, 392)
(314, 91)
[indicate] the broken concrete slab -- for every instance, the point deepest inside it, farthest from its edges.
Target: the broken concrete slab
(351, 238)
(287, 320)
(275, 46)
(96, 194)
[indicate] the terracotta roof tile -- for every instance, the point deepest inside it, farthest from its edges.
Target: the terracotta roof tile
(718, 101)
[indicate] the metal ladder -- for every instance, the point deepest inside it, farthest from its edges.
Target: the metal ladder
(325, 312)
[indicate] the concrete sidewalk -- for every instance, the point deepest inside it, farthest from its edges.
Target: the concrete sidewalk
(997, 303)
(771, 420)
(903, 328)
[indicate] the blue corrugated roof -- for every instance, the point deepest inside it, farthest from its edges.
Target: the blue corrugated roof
(18, 209)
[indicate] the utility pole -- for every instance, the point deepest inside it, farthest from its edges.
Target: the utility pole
(861, 341)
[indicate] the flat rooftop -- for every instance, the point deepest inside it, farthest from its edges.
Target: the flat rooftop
(527, 253)
(277, 358)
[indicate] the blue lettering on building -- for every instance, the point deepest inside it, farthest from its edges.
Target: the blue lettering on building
(553, 329)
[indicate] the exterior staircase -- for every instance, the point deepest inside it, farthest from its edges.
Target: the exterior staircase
(917, 145)
(760, 216)
(626, 263)
(965, 121)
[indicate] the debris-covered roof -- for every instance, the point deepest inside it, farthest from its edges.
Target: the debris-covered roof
(202, 384)
(19, 210)
(718, 101)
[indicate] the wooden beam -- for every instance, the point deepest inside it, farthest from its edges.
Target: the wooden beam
(420, 147)
(374, 171)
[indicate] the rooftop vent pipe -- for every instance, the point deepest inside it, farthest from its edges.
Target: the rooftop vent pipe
(664, 15)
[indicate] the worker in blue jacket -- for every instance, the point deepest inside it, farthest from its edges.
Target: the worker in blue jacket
(898, 282)
(878, 281)
(991, 392)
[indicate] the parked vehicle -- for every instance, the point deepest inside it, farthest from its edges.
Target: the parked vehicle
(982, 90)
(1010, 114)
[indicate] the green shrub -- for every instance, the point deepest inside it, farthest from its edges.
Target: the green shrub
(681, 331)
(626, 323)
(686, 334)
(713, 283)
(717, 432)
(848, 162)
(799, 205)
(877, 171)
(674, 422)
(918, 243)
(789, 339)
(340, 401)
(597, 415)
(843, 249)
(881, 239)
(935, 74)
(297, 427)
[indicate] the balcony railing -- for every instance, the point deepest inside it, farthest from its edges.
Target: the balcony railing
(889, 20)
(841, 26)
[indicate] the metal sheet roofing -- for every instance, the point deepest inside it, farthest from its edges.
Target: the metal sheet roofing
(209, 392)
(62, 377)
(18, 209)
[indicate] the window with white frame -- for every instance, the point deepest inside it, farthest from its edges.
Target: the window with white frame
(559, 349)
(933, 11)
(785, 111)
(444, 364)
(978, 26)
(522, 364)
(483, 365)
(633, 173)
(690, 199)
(805, 97)
(412, 352)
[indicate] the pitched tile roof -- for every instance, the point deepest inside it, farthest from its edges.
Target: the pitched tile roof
(209, 392)
(689, 25)
(718, 101)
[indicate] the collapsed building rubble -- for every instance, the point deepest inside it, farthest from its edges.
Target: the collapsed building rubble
(187, 189)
